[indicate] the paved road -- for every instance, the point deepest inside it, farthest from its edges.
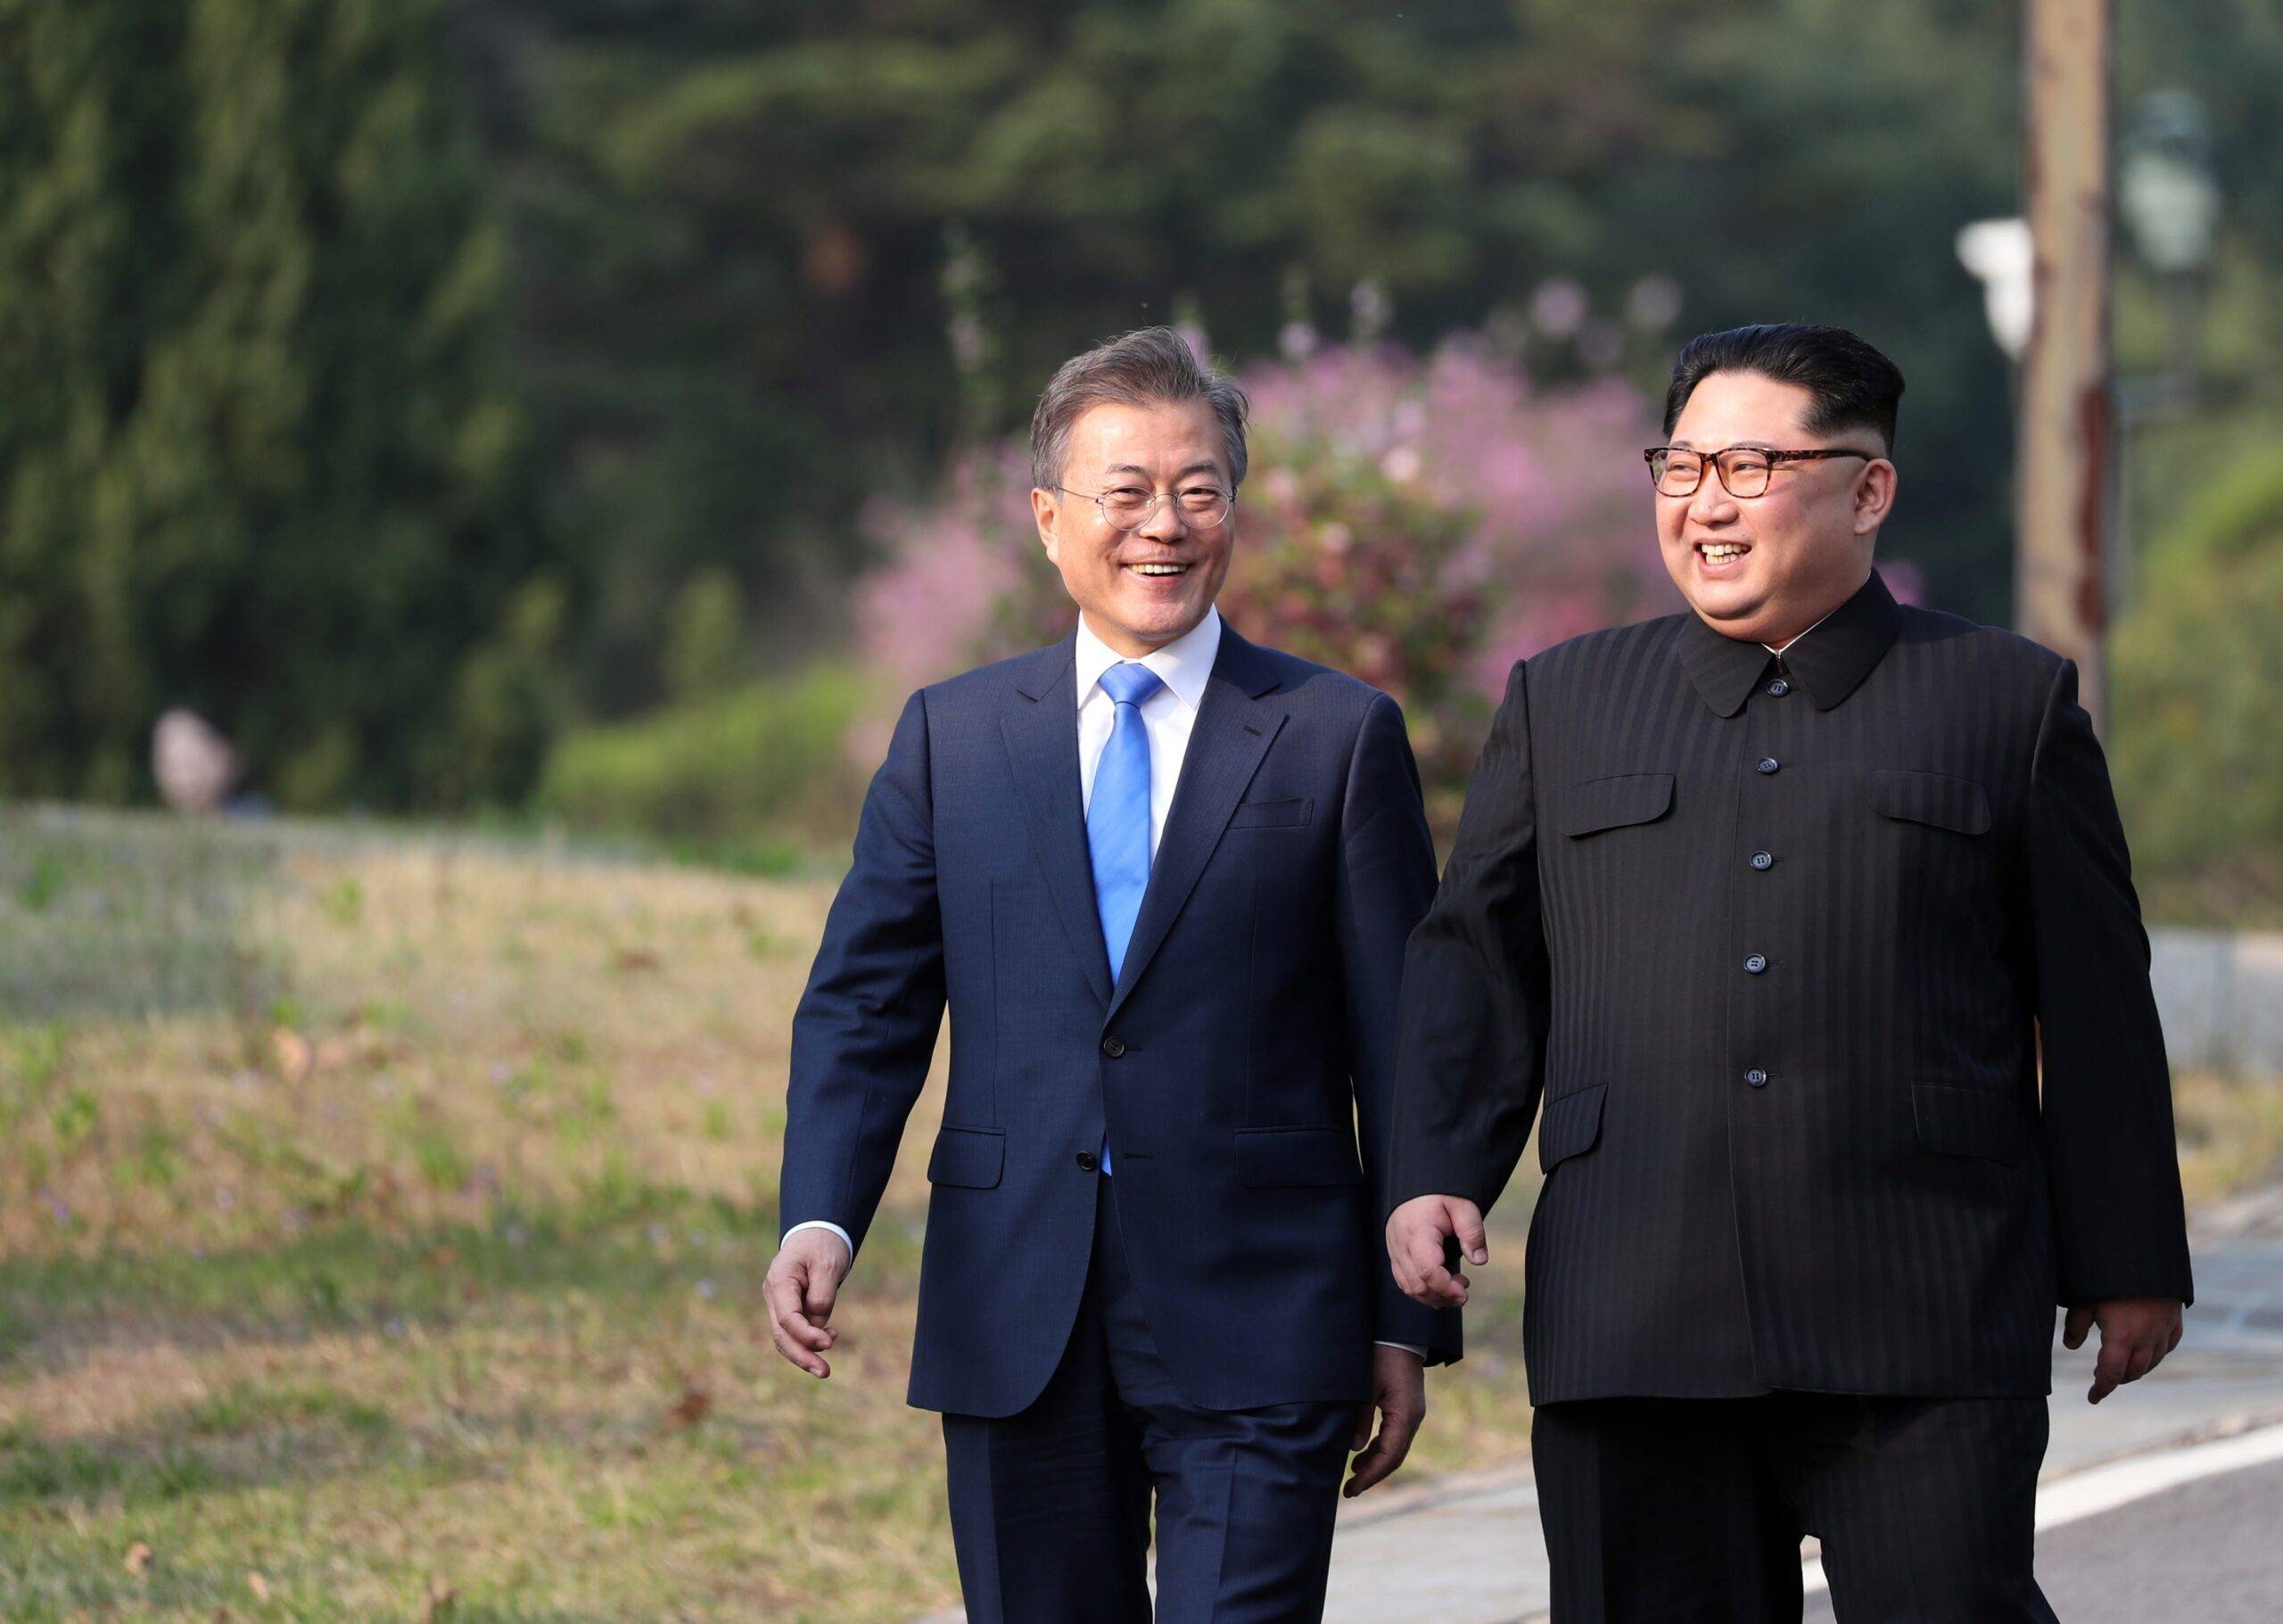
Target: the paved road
(2210, 1551)
(1468, 1550)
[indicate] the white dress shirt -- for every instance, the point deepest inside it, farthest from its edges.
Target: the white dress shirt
(1169, 715)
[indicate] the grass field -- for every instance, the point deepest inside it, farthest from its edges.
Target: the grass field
(382, 1220)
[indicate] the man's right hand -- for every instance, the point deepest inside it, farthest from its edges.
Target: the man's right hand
(1416, 1231)
(802, 1283)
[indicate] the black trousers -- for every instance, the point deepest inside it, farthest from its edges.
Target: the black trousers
(1051, 1506)
(1679, 1511)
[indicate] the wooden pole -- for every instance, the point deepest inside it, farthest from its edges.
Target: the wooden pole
(2064, 489)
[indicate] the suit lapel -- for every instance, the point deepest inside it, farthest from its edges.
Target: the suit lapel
(1041, 728)
(1234, 729)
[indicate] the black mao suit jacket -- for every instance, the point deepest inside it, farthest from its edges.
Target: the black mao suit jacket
(1777, 946)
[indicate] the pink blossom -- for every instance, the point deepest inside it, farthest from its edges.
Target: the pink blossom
(1423, 522)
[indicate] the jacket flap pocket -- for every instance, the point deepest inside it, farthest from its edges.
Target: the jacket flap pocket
(1612, 803)
(1297, 1156)
(969, 1157)
(1931, 797)
(1569, 1127)
(1271, 814)
(1967, 1121)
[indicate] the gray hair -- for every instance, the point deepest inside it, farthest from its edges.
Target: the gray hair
(1148, 366)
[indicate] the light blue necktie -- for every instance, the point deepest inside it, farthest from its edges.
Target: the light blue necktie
(1117, 817)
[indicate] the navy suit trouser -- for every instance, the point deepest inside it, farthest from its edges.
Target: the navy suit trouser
(1051, 1506)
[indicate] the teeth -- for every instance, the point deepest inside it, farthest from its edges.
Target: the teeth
(1157, 569)
(1720, 551)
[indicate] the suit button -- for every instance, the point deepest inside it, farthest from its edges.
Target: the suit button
(1763, 860)
(1087, 1162)
(1768, 763)
(1779, 688)
(1756, 964)
(1113, 1047)
(1756, 1077)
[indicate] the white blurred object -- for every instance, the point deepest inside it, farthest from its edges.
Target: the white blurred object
(2000, 253)
(2166, 186)
(193, 764)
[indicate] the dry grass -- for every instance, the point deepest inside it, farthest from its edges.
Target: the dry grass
(403, 1228)
(381, 1221)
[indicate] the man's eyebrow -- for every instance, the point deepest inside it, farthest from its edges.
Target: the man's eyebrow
(1205, 465)
(1741, 445)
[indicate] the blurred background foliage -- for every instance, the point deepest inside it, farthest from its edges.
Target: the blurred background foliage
(261, 436)
(490, 404)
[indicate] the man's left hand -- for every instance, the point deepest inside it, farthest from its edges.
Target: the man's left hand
(2135, 1334)
(1400, 1397)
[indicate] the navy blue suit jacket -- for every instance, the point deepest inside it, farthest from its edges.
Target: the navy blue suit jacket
(1249, 1038)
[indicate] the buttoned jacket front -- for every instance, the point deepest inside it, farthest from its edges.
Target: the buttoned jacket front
(1238, 1067)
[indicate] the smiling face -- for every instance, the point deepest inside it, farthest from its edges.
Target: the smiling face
(1138, 588)
(1764, 569)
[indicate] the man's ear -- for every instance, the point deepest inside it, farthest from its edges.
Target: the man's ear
(1875, 494)
(1048, 512)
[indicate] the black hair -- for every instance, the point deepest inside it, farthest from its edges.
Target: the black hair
(1853, 384)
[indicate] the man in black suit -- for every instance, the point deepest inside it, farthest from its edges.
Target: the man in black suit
(1162, 878)
(1778, 905)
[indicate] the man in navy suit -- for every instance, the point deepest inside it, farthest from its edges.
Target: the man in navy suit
(1163, 878)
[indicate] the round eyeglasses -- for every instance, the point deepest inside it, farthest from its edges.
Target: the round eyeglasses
(1743, 471)
(1129, 506)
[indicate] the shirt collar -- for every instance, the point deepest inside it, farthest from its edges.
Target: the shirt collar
(1778, 649)
(1848, 643)
(1185, 664)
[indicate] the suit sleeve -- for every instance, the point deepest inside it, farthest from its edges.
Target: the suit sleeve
(865, 1029)
(1471, 1056)
(1386, 875)
(2107, 1105)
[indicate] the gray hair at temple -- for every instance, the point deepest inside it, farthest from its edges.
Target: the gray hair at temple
(1148, 366)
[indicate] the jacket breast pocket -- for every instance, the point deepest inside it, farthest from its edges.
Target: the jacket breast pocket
(1272, 814)
(1571, 1126)
(1933, 798)
(1269, 1157)
(1615, 802)
(970, 1158)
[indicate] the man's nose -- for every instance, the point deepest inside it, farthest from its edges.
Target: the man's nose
(1163, 523)
(1711, 503)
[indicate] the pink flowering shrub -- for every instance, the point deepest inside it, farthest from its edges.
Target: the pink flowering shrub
(1422, 522)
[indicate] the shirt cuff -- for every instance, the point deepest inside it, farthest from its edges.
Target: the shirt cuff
(822, 1223)
(1406, 1348)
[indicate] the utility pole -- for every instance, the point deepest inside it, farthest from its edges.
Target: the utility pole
(2063, 484)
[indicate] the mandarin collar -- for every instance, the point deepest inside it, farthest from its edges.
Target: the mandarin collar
(1830, 660)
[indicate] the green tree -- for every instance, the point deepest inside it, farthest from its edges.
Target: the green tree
(258, 448)
(740, 218)
(2197, 673)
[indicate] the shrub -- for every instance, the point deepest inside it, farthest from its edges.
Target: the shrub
(765, 757)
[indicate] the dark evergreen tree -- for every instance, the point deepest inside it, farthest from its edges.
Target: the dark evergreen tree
(259, 440)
